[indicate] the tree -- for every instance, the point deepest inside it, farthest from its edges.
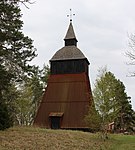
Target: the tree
(111, 100)
(16, 51)
(45, 74)
(104, 96)
(124, 119)
(5, 113)
(24, 106)
(5, 117)
(31, 91)
(93, 119)
(131, 53)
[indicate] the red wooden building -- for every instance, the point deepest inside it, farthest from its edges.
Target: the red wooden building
(68, 94)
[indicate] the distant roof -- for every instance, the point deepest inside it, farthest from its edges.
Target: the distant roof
(70, 32)
(68, 52)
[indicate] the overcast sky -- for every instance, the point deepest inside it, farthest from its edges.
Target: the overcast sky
(101, 27)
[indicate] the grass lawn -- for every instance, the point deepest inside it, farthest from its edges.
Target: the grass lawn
(123, 142)
(29, 138)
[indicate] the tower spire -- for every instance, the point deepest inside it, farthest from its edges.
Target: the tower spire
(70, 38)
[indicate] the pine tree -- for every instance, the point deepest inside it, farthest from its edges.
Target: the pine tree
(16, 51)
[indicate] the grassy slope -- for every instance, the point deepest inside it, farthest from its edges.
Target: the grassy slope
(24, 138)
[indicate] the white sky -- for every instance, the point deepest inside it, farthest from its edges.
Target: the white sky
(101, 27)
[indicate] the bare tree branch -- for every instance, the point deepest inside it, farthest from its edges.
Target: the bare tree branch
(26, 1)
(131, 52)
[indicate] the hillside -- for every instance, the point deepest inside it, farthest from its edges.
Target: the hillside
(24, 138)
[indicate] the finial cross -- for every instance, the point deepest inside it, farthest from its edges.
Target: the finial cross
(70, 15)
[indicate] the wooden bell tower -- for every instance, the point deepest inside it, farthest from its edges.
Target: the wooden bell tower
(68, 94)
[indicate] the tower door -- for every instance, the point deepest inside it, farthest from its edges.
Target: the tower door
(55, 122)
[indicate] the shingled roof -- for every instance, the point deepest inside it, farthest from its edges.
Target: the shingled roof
(69, 51)
(70, 33)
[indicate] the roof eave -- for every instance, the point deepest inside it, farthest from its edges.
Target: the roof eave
(64, 59)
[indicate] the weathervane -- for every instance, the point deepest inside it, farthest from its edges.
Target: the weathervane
(70, 15)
